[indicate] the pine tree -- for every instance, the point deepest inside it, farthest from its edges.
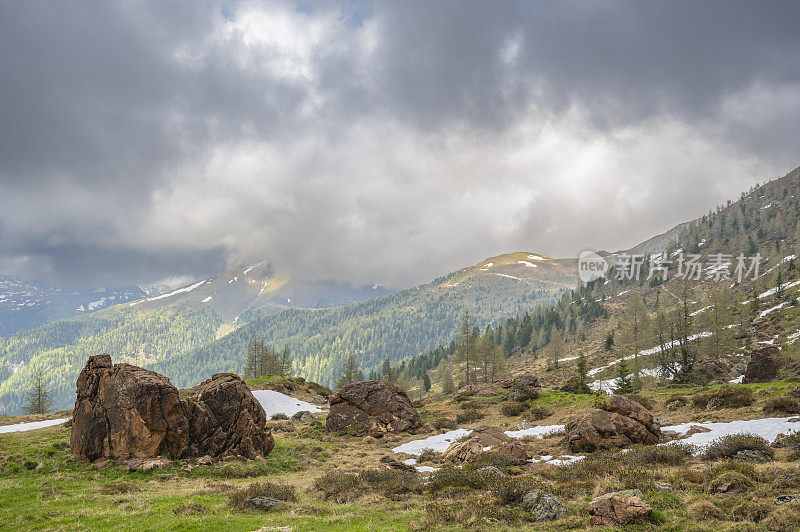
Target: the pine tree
(350, 373)
(582, 369)
(608, 345)
(448, 386)
(623, 384)
(38, 399)
(426, 383)
(465, 345)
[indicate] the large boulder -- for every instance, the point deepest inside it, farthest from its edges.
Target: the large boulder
(469, 448)
(763, 365)
(620, 423)
(619, 508)
(372, 407)
(125, 412)
(225, 419)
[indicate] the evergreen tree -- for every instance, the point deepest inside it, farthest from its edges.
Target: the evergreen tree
(582, 370)
(426, 383)
(465, 345)
(608, 344)
(448, 386)
(624, 385)
(38, 399)
(350, 373)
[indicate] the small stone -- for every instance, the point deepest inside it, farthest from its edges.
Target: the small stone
(673, 405)
(491, 471)
(543, 506)
(619, 508)
(664, 486)
(166, 476)
(205, 460)
(787, 499)
(263, 503)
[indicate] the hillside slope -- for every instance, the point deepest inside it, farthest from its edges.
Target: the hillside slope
(395, 327)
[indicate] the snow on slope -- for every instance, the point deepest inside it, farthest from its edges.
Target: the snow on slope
(277, 403)
(33, 425)
(170, 294)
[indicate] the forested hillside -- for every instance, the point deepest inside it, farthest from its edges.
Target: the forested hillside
(394, 327)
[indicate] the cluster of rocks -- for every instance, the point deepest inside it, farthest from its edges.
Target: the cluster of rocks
(125, 412)
(619, 422)
(483, 439)
(373, 408)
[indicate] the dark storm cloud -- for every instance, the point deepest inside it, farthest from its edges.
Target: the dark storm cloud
(387, 141)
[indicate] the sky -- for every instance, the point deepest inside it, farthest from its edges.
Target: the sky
(376, 141)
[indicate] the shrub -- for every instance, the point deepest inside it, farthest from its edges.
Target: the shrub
(469, 416)
(450, 476)
(444, 423)
(751, 510)
(727, 396)
(465, 395)
(672, 454)
(427, 455)
(781, 519)
(703, 511)
(339, 486)
(282, 492)
(279, 416)
(525, 393)
(728, 446)
(538, 413)
(511, 490)
(480, 513)
(782, 403)
(473, 404)
(729, 482)
(513, 408)
(391, 482)
(681, 399)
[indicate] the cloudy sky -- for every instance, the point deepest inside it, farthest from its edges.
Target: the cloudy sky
(376, 141)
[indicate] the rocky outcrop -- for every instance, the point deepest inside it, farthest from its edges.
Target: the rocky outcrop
(469, 448)
(763, 365)
(543, 506)
(124, 412)
(226, 420)
(619, 508)
(620, 423)
(375, 408)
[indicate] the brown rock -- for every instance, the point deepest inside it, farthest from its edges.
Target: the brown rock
(619, 509)
(468, 449)
(126, 412)
(515, 451)
(763, 365)
(527, 380)
(225, 419)
(372, 407)
(622, 422)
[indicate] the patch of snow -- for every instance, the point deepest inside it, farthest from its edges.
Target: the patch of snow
(426, 469)
(509, 276)
(33, 425)
(792, 337)
(526, 263)
(696, 312)
(437, 443)
(538, 432)
(562, 460)
(649, 351)
(533, 256)
(623, 293)
(277, 403)
(767, 428)
(737, 380)
(248, 270)
(488, 265)
(783, 260)
(183, 290)
(776, 307)
(206, 300)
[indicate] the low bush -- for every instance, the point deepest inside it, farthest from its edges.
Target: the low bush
(783, 404)
(118, 487)
(538, 413)
(282, 492)
(392, 483)
(513, 408)
(703, 511)
(279, 417)
(444, 423)
(671, 454)
(339, 486)
(727, 396)
(729, 482)
(469, 416)
(782, 519)
(728, 446)
(751, 510)
(466, 476)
